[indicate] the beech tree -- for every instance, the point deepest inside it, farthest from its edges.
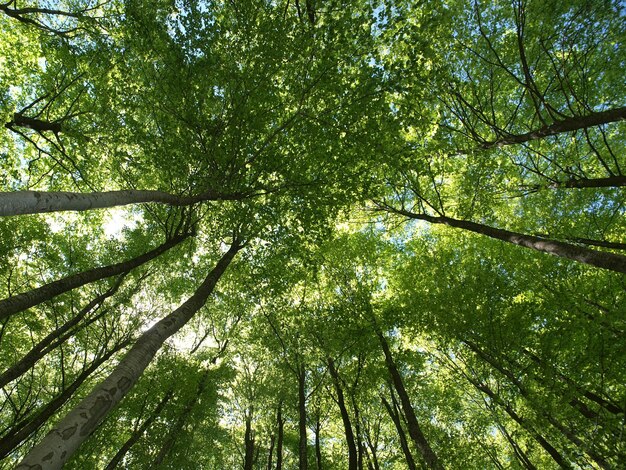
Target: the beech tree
(298, 234)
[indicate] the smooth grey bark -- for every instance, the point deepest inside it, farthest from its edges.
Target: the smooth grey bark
(65, 438)
(565, 125)
(137, 433)
(56, 337)
(28, 426)
(20, 302)
(600, 259)
(415, 431)
(345, 417)
(37, 202)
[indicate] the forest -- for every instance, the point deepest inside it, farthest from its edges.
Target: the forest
(305, 234)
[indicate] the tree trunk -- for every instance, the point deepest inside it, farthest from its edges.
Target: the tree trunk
(345, 417)
(279, 439)
(415, 431)
(38, 202)
(20, 302)
(249, 445)
(55, 338)
(600, 259)
(54, 450)
(318, 446)
(136, 435)
(302, 445)
(19, 120)
(566, 125)
(26, 427)
(395, 417)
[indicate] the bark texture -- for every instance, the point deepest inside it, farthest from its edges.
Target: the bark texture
(20, 302)
(65, 438)
(25, 428)
(37, 202)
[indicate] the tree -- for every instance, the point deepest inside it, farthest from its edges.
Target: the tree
(264, 234)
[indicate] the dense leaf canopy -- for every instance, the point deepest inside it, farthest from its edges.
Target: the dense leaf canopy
(302, 234)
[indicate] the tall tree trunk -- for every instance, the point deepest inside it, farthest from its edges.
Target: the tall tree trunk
(56, 337)
(270, 452)
(302, 444)
(54, 450)
(395, 417)
(345, 417)
(427, 453)
(318, 446)
(565, 125)
(29, 425)
(38, 202)
(139, 432)
(248, 460)
(600, 259)
(20, 302)
(279, 439)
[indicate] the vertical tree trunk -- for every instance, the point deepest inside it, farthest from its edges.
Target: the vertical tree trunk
(600, 259)
(36, 296)
(279, 439)
(54, 450)
(345, 417)
(136, 435)
(302, 445)
(427, 453)
(318, 446)
(395, 417)
(248, 460)
(29, 425)
(55, 338)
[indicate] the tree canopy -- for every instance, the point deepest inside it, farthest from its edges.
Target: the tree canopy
(301, 234)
